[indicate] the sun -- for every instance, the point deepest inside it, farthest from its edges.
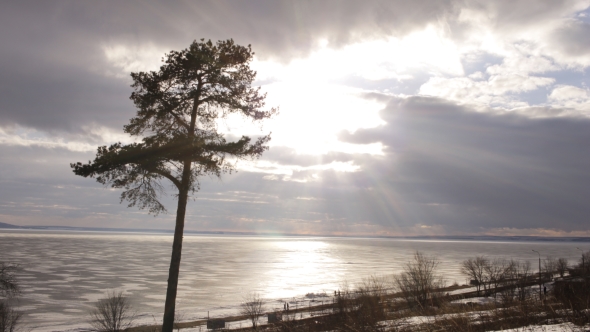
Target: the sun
(328, 91)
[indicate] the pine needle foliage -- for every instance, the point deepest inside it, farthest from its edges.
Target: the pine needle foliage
(179, 109)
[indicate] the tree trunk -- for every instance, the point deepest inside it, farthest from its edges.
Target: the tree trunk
(170, 306)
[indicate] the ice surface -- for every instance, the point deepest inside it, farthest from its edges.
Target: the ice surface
(65, 273)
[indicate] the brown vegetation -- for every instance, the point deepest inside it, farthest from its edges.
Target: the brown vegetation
(113, 313)
(10, 318)
(253, 308)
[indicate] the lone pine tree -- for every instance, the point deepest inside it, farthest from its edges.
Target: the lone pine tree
(178, 108)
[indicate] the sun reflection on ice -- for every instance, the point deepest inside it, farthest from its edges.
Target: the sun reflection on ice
(302, 263)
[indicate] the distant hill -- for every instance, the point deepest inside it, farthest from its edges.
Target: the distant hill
(5, 225)
(104, 229)
(170, 231)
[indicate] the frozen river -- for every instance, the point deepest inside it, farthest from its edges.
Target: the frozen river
(64, 273)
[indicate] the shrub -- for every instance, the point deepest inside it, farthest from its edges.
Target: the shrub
(112, 313)
(253, 308)
(475, 269)
(419, 280)
(8, 285)
(562, 266)
(9, 318)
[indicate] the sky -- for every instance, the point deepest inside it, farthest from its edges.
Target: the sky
(397, 118)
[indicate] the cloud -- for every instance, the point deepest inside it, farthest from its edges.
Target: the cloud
(568, 96)
(446, 169)
(572, 39)
(498, 90)
(483, 124)
(312, 114)
(463, 169)
(86, 141)
(65, 65)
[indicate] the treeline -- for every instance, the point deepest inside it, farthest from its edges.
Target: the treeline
(511, 278)
(523, 295)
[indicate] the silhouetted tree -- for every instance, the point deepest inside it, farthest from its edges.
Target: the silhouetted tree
(370, 309)
(584, 263)
(550, 266)
(112, 313)
(253, 308)
(178, 111)
(524, 276)
(8, 285)
(9, 318)
(475, 268)
(562, 266)
(419, 280)
(508, 285)
(496, 272)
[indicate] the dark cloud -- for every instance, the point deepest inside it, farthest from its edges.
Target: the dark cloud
(445, 165)
(288, 156)
(509, 13)
(55, 75)
(61, 99)
(464, 169)
(54, 71)
(38, 188)
(573, 38)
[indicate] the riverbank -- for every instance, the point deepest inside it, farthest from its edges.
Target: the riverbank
(455, 308)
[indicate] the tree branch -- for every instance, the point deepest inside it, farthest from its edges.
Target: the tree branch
(180, 121)
(169, 177)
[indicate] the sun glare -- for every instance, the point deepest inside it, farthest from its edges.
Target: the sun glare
(299, 260)
(392, 58)
(316, 105)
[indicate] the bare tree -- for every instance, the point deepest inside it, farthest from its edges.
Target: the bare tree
(368, 304)
(584, 263)
(475, 269)
(9, 318)
(549, 266)
(178, 317)
(419, 280)
(509, 282)
(112, 313)
(373, 286)
(8, 284)
(496, 273)
(253, 308)
(524, 274)
(561, 266)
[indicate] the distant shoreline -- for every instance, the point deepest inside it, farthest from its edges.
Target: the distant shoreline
(5, 226)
